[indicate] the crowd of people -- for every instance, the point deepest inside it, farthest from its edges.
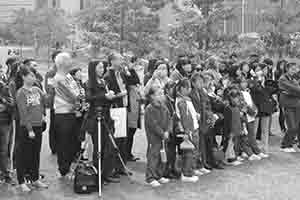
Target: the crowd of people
(188, 105)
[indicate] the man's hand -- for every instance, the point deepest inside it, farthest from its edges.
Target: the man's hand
(166, 135)
(31, 134)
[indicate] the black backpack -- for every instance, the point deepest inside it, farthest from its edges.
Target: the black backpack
(86, 179)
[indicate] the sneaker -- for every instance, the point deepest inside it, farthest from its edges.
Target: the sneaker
(25, 188)
(286, 150)
(154, 183)
(9, 180)
(205, 171)
(191, 179)
(235, 163)
(244, 155)
(263, 155)
(293, 150)
(164, 180)
(254, 157)
(198, 172)
(39, 184)
(239, 158)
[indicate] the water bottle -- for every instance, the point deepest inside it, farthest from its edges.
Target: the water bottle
(163, 153)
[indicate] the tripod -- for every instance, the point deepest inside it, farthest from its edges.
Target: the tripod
(112, 140)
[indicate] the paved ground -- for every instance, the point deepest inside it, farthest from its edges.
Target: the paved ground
(276, 178)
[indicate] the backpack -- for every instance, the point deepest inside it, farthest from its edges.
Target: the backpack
(85, 178)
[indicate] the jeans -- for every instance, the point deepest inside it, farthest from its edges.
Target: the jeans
(28, 154)
(155, 167)
(282, 119)
(66, 141)
(130, 138)
(4, 148)
(265, 123)
(252, 130)
(52, 135)
(292, 117)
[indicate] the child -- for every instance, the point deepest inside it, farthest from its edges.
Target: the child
(189, 119)
(157, 126)
(169, 101)
(31, 104)
(232, 127)
(251, 120)
(202, 105)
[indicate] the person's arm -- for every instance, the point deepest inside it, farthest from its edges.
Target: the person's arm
(22, 109)
(66, 91)
(289, 87)
(227, 121)
(183, 110)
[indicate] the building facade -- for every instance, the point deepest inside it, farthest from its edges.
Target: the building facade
(8, 7)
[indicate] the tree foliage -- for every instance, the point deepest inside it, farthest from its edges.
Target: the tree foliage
(201, 24)
(277, 23)
(40, 25)
(115, 24)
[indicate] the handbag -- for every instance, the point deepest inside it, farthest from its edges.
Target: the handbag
(85, 179)
(187, 145)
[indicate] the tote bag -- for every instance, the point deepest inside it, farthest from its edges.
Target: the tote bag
(119, 115)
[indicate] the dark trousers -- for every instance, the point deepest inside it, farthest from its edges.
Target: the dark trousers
(155, 167)
(282, 119)
(122, 145)
(171, 155)
(4, 148)
(292, 117)
(28, 154)
(108, 153)
(65, 129)
(17, 135)
(252, 130)
(130, 138)
(210, 145)
(52, 135)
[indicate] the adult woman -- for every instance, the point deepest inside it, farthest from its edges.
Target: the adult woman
(134, 109)
(159, 77)
(183, 70)
(99, 98)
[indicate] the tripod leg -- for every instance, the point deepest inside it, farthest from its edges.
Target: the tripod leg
(119, 155)
(99, 157)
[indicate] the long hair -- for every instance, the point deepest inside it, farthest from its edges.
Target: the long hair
(92, 74)
(179, 66)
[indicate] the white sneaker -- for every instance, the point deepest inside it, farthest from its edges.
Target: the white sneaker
(164, 180)
(191, 179)
(244, 155)
(154, 183)
(286, 150)
(235, 163)
(239, 158)
(198, 172)
(205, 171)
(25, 188)
(254, 157)
(39, 184)
(263, 155)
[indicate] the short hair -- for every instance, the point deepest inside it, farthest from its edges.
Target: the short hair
(197, 76)
(10, 61)
(54, 54)
(28, 60)
(289, 65)
(61, 57)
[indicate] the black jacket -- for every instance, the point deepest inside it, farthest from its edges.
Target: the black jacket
(289, 92)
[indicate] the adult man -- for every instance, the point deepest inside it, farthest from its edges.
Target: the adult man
(290, 101)
(66, 94)
(118, 79)
(6, 109)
